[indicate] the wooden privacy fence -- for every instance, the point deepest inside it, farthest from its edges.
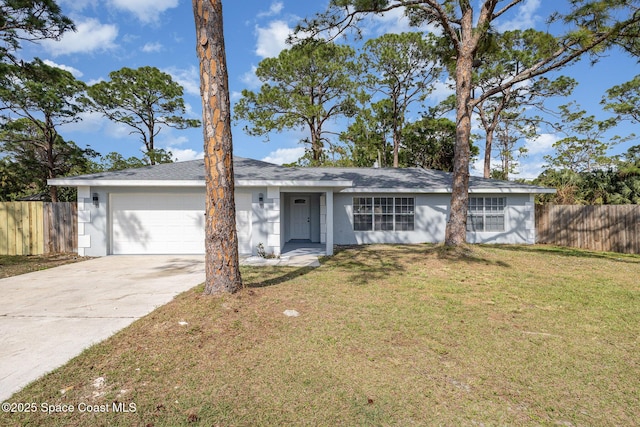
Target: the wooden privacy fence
(35, 228)
(612, 228)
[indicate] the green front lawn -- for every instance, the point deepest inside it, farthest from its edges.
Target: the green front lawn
(387, 335)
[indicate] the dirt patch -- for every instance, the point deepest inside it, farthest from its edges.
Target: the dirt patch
(13, 265)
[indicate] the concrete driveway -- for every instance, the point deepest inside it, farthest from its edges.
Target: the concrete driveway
(50, 316)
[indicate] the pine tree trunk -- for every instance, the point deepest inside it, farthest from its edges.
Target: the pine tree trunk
(487, 153)
(396, 148)
(396, 135)
(221, 239)
(456, 231)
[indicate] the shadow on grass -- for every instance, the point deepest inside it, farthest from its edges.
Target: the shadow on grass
(360, 264)
(280, 275)
(571, 252)
(364, 264)
(371, 263)
(467, 254)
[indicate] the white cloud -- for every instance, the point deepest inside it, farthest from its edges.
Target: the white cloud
(190, 112)
(90, 122)
(95, 81)
(90, 36)
(393, 21)
(152, 47)
(529, 170)
(526, 169)
(178, 144)
(147, 11)
(272, 39)
(183, 155)
(118, 130)
(96, 123)
(525, 18)
(250, 79)
(275, 9)
(476, 168)
(284, 155)
(542, 144)
(76, 73)
(188, 78)
(442, 90)
(168, 139)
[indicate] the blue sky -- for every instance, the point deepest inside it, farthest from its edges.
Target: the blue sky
(112, 34)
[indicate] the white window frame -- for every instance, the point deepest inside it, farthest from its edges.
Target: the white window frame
(384, 213)
(486, 214)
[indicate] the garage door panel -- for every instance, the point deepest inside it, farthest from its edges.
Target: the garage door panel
(157, 224)
(168, 223)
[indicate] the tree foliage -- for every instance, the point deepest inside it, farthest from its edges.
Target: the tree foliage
(29, 20)
(368, 135)
(45, 98)
(429, 143)
(586, 147)
(114, 161)
(146, 100)
(29, 161)
(510, 129)
(509, 53)
(402, 68)
(624, 100)
(305, 87)
(617, 185)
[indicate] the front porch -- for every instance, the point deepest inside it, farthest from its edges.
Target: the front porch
(306, 225)
(297, 217)
(294, 254)
(301, 248)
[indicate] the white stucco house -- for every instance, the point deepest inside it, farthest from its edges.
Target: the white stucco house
(160, 209)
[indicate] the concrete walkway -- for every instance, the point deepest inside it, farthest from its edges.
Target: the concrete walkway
(48, 317)
(283, 260)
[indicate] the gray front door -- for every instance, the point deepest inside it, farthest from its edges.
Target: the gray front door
(300, 220)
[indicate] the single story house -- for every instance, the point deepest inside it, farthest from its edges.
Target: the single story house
(160, 209)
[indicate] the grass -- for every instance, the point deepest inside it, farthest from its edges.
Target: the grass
(13, 265)
(387, 335)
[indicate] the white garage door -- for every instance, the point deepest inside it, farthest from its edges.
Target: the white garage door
(169, 223)
(157, 224)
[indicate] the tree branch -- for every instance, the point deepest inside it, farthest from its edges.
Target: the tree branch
(505, 9)
(555, 61)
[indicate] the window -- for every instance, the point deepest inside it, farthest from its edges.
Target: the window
(404, 213)
(362, 210)
(383, 213)
(486, 214)
(383, 209)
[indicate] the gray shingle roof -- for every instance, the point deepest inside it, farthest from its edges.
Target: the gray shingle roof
(255, 170)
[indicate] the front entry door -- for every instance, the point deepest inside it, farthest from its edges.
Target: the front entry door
(300, 220)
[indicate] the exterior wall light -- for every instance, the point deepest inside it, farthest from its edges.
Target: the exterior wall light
(261, 199)
(96, 199)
